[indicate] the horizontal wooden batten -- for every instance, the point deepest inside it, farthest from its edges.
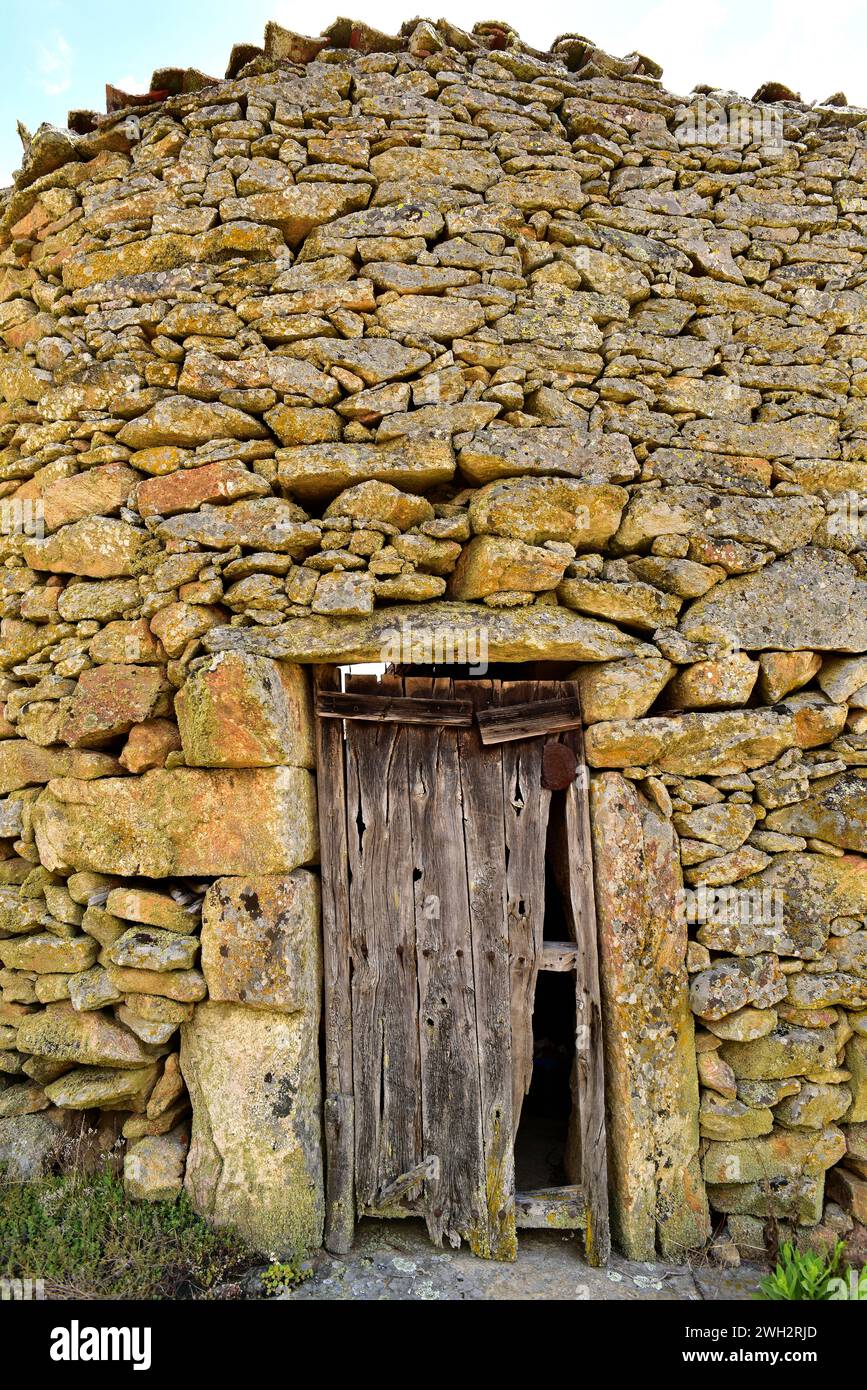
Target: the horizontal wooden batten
(559, 956)
(508, 723)
(394, 709)
(551, 1209)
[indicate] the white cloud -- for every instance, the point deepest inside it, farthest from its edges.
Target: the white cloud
(54, 61)
(131, 84)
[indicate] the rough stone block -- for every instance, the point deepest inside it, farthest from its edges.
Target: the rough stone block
(246, 711)
(255, 1159)
(651, 1080)
(259, 940)
(184, 821)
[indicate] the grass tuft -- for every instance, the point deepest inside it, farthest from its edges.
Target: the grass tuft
(86, 1239)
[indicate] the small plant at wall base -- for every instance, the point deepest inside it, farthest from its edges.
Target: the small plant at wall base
(281, 1276)
(802, 1276)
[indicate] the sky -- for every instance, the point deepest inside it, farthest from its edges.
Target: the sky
(57, 55)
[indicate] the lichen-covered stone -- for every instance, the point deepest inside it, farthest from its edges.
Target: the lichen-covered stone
(620, 689)
(259, 940)
(109, 1088)
(179, 421)
(153, 1166)
(651, 1083)
(835, 811)
(724, 683)
(148, 948)
(450, 628)
(96, 547)
(491, 563)
(787, 1051)
(151, 907)
(108, 701)
(548, 509)
(46, 953)
(255, 1159)
(783, 1154)
(24, 764)
(185, 821)
(816, 1105)
(694, 744)
(238, 710)
(89, 1039)
(768, 609)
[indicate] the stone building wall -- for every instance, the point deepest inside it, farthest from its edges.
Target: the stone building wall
(427, 339)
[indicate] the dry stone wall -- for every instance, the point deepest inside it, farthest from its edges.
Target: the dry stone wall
(440, 338)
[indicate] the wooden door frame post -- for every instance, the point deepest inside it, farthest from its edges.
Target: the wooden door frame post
(589, 1057)
(339, 1101)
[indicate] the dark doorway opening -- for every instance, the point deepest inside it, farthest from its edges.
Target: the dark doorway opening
(543, 1131)
(546, 1126)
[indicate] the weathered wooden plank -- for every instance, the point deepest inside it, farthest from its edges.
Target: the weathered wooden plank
(393, 709)
(405, 1185)
(526, 804)
(588, 1074)
(508, 723)
(559, 956)
(481, 773)
(384, 991)
(552, 1209)
(455, 1203)
(338, 1105)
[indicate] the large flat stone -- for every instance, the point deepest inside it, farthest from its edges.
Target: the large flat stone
(784, 1154)
(104, 1088)
(47, 954)
(184, 821)
(181, 421)
(835, 811)
(255, 1160)
(779, 522)
(90, 1039)
(420, 634)
(797, 897)
(509, 453)
(785, 1051)
(318, 471)
(97, 547)
(813, 598)
(548, 509)
(651, 1081)
(721, 742)
(297, 208)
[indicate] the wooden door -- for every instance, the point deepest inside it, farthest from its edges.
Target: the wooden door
(434, 810)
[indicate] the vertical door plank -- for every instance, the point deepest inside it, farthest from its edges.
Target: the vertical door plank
(526, 804)
(456, 1202)
(481, 772)
(338, 1102)
(589, 1076)
(384, 987)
